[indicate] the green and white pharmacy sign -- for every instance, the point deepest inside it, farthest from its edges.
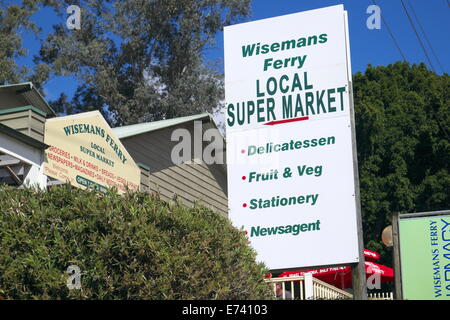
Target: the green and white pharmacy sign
(425, 257)
(290, 151)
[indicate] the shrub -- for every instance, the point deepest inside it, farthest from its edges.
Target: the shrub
(127, 247)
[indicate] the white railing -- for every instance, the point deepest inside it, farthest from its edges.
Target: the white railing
(295, 286)
(381, 296)
(306, 288)
(325, 291)
(309, 288)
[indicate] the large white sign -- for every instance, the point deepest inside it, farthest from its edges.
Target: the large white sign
(289, 138)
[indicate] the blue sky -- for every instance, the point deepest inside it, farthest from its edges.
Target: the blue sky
(367, 46)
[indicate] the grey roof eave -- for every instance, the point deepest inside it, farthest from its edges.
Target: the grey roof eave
(23, 137)
(31, 94)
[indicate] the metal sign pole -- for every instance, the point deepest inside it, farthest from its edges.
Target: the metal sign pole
(358, 269)
(398, 295)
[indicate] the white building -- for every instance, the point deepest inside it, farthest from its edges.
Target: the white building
(22, 119)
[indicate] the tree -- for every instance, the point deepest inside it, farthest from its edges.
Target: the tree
(402, 126)
(133, 246)
(15, 20)
(141, 60)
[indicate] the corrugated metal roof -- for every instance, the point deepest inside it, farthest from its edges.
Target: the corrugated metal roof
(29, 94)
(140, 128)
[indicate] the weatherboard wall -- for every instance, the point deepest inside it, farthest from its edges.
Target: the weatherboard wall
(190, 182)
(27, 120)
(145, 178)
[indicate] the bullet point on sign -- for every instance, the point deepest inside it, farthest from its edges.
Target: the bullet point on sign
(242, 151)
(244, 205)
(244, 177)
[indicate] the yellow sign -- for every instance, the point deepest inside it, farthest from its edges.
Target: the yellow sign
(85, 152)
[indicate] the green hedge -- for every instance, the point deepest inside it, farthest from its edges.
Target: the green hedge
(127, 247)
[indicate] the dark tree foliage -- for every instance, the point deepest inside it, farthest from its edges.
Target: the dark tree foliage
(403, 126)
(14, 23)
(127, 247)
(141, 60)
